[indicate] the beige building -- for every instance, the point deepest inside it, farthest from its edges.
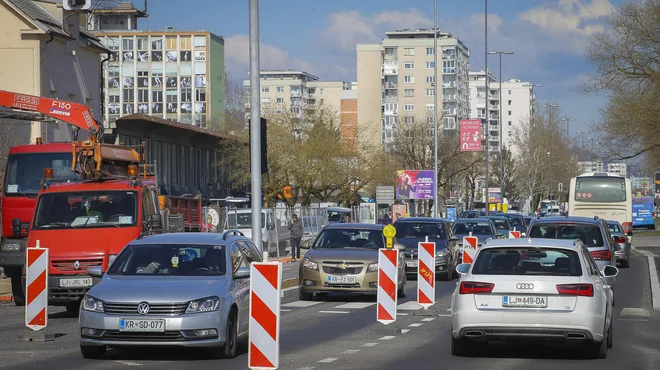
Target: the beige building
(291, 90)
(396, 82)
(44, 57)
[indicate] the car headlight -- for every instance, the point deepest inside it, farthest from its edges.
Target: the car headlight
(111, 258)
(93, 304)
(207, 304)
(11, 247)
(372, 267)
(308, 264)
(442, 253)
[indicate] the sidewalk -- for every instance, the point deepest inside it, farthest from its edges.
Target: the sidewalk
(5, 290)
(649, 246)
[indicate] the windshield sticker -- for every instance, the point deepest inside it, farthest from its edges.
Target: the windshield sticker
(175, 261)
(85, 220)
(12, 188)
(125, 220)
(217, 247)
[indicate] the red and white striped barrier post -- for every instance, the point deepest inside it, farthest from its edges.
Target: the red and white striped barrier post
(513, 234)
(388, 268)
(264, 329)
(470, 245)
(426, 274)
(36, 282)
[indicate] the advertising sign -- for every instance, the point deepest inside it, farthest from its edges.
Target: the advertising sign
(399, 211)
(411, 184)
(657, 184)
(470, 130)
(494, 195)
(451, 214)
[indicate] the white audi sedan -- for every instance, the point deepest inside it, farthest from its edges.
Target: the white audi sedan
(532, 289)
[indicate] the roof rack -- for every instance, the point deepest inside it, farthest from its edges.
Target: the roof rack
(230, 233)
(596, 218)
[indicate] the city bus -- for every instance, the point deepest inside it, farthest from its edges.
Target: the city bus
(602, 194)
(643, 212)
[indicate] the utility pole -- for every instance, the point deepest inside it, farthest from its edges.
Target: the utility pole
(500, 126)
(487, 101)
(255, 126)
(435, 110)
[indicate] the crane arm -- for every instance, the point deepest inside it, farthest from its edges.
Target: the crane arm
(75, 114)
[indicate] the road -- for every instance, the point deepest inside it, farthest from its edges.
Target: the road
(341, 332)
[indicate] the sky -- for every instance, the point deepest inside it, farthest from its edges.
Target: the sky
(549, 38)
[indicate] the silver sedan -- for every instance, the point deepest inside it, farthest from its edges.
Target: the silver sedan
(185, 289)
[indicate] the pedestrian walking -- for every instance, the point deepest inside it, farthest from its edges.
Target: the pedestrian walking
(296, 233)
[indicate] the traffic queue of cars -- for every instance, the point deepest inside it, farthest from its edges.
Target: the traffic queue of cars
(557, 283)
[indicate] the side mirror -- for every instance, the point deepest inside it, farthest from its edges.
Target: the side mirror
(242, 273)
(610, 271)
(95, 272)
(156, 221)
(463, 268)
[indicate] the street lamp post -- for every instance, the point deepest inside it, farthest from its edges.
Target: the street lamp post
(487, 100)
(435, 110)
(551, 126)
(532, 149)
(500, 124)
(567, 120)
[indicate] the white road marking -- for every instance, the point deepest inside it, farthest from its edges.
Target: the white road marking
(642, 320)
(351, 351)
(387, 337)
(415, 325)
(638, 312)
(401, 314)
(284, 310)
(655, 284)
(428, 319)
(369, 344)
(298, 304)
(128, 363)
(329, 359)
(404, 331)
(355, 305)
(441, 315)
(334, 312)
(409, 306)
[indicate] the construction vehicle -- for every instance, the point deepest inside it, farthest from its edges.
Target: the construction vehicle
(25, 163)
(87, 223)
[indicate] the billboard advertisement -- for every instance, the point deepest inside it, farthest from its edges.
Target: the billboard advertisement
(413, 184)
(470, 130)
(399, 211)
(657, 184)
(494, 195)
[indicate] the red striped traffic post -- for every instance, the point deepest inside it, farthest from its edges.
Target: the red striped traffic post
(36, 281)
(426, 274)
(264, 329)
(388, 267)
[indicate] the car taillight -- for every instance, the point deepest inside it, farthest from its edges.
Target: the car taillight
(580, 290)
(472, 287)
(619, 239)
(601, 255)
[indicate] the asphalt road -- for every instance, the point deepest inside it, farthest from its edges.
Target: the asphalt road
(342, 333)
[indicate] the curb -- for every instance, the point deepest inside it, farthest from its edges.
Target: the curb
(655, 283)
(6, 298)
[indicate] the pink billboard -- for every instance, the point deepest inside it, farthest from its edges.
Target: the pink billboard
(470, 130)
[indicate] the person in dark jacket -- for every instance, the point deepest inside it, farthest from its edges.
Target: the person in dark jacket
(296, 234)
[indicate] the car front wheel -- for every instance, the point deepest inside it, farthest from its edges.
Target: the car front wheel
(231, 338)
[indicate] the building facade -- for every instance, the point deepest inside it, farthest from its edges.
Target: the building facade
(349, 119)
(397, 84)
(43, 56)
(517, 104)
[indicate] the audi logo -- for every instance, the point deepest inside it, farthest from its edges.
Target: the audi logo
(143, 308)
(527, 286)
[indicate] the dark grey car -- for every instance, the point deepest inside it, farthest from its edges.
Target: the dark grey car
(482, 228)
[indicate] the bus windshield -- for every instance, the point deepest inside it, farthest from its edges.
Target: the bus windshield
(26, 170)
(600, 189)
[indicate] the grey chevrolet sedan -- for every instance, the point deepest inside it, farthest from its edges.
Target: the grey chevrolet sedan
(178, 289)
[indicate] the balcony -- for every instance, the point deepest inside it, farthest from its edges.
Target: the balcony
(390, 85)
(449, 85)
(295, 93)
(390, 99)
(390, 57)
(449, 70)
(493, 107)
(449, 98)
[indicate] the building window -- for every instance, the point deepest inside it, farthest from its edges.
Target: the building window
(430, 79)
(170, 42)
(430, 51)
(409, 92)
(430, 92)
(129, 95)
(143, 96)
(409, 107)
(408, 51)
(280, 89)
(509, 92)
(157, 96)
(509, 112)
(509, 102)
(171, 101)
(430, 65)
(200, 95)
(280, 100)
(409, 79)
(156, 43)
(127, 43)
(509, 123)
(409, 120)
(265, 89)
(409, 65)
(430, 120)
(143, 43)
(430, 107)
(186, 42)
(186, 95)
(200, 42)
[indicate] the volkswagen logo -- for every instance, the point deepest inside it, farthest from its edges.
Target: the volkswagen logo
(527, 286)
(76, 265)
(143, 308)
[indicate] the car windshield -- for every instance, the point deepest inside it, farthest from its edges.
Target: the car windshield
(590, 235)
(179, 259)
(515, 221)
(527, 261)
(26, 170)
(416, 230)
(614, 228)
(501, 224)
(86, 209)
(350, 238)
(476, 227)
(545, 205)
(242, 220)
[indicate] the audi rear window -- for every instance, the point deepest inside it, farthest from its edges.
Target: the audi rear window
(527, 261)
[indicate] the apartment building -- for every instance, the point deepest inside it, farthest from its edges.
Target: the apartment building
(397, 85)
(349, 119)
(294, 91)
(618, 168)
(517, 104)
(591, 166)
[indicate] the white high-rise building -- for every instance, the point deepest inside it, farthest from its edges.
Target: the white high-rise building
(619, 168)
(517, 104)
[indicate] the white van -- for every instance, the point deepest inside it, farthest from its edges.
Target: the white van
(274, 230)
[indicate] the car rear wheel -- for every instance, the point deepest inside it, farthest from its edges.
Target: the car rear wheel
(94, 352)
(610, 337)
(599, 350)
(459, 347)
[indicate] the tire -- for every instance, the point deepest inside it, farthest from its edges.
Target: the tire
(625, 264)
(402, 293)
(93, 352)
(459, 347)
(305, 296)
(73, 307)
(229, 349)
(610, 336)
(16, 286)
(599, 350)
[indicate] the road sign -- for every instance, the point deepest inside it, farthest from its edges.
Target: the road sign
(36, 293)
(388, 267)
(385, 195)
(426, 274)
(264, 327)
(513, 234)
(470, 245)
(389, 232)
